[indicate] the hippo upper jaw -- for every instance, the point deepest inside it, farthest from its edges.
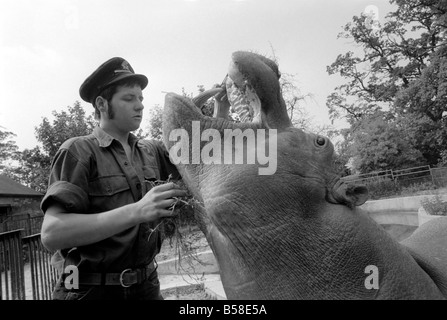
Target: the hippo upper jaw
(259, 78)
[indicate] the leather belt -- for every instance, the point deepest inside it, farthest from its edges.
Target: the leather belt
(126, 278)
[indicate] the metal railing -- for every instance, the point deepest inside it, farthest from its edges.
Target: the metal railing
(25, 269)
(404, 177)
(29, 224)
(43, 275)
(12, 277)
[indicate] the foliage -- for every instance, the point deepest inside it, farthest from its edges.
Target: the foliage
(399, 70)
(34, 164)
(33, 169)
(382, 188)
(377, 144)
(293, 98)
(435, 206)
(417, 188)
(66, 124)
(8, 149)
(155, 123)
(443, 161)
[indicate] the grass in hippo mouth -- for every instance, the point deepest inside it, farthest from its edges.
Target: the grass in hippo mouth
(182, 210)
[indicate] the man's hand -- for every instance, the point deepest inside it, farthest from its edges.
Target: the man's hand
(155, 204)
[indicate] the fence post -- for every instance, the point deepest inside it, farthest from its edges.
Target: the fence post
(28, 223)
(431, 175)
(393, 178)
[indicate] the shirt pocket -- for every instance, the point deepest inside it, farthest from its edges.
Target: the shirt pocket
(151, 173)
(108, 186)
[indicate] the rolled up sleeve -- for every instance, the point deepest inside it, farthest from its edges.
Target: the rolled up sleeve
(68, 183)
(72, 197)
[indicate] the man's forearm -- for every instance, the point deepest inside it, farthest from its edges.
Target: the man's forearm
(67, 230)
(62, 229)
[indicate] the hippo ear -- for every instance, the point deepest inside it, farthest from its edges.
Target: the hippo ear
(350, 195)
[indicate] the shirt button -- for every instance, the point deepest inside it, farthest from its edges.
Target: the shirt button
(126, 163)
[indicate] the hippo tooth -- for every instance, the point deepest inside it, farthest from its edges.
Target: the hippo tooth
(243, 99)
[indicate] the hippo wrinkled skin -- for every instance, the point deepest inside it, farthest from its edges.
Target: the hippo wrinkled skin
(295, 233)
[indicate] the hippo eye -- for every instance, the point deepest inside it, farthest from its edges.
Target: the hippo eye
(320, 141)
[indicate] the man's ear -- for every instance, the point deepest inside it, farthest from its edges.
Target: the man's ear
(101, 104)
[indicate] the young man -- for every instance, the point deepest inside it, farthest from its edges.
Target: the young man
(101, 215)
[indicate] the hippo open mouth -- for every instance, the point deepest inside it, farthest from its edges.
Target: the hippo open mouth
(251, 92)
(241, 87)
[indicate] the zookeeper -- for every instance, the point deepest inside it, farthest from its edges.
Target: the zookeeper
(100, 212)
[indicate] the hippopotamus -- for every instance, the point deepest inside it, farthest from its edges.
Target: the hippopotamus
(295, 229)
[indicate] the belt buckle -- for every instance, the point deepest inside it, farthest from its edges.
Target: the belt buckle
(121, 278)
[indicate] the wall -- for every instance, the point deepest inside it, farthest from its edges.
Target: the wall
(23, 205)
(402, 210)
(25, 214)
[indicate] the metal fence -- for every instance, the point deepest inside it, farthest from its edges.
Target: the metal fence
(12, 278)
(26, 272)
(404, 177)
(29, 224)
(43, 275)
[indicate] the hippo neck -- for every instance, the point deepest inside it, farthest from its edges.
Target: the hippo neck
(289, 262)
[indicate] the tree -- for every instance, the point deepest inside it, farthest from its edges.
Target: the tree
(33, 170)
(381, 144)
(66, 124)
(155, 123)
(399, 68)
(8, 149)
(34, 164)
(293, 97)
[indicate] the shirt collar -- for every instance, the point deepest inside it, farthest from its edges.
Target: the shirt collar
(106, 139)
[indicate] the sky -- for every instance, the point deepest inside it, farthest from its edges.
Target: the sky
(49, 47)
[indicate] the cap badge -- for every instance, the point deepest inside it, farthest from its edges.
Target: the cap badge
(125, 67)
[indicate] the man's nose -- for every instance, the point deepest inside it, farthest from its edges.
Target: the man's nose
(139, 105)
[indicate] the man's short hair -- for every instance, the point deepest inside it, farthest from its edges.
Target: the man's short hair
(110, 91)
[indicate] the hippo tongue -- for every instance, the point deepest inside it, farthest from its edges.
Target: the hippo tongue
(244, 100)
